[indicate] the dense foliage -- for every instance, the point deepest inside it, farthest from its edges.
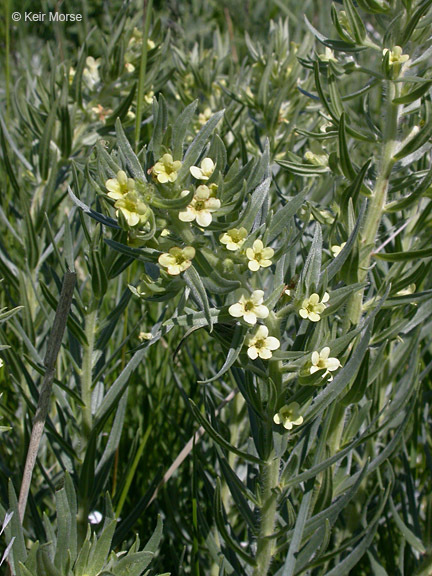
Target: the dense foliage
(237, 198)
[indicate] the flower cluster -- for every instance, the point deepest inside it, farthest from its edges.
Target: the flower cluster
(128, 203)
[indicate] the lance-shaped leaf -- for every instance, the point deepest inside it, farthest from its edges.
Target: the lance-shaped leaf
(233, 352)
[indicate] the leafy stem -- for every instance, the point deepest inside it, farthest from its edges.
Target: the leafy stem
(376, 205)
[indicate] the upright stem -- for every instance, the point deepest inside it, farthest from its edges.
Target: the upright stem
(269, 477)
(265, 544)
(87, 370)
(376, 204)
(147, 9)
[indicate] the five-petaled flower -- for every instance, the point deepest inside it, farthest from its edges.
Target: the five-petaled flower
(322, 361)
(119, 186)
(177, 260)
(261, 344)
(206, 170)
(201, 207)
(289, 416)
(250, 308)
(259, 257)
(311, 307)
(166, 169)
(234, 238)
(133, 209)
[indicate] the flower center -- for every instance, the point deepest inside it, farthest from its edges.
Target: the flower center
(260, 344)
(199, 205)
(249, 305)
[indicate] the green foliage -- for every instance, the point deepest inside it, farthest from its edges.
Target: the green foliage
(245, 197)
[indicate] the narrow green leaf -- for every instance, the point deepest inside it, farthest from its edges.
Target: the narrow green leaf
(195, 149)
(413, 95)
(193, 280)
(403, 256)
(344, 154)
(45, 142)
(180, 128)
(220, 439)
(126, 149)
(356, 24)
(233, 353)
(280, 220)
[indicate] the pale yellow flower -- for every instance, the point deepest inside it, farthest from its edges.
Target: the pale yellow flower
(234, 238)
(133, 209)
(166, 169)
(289, 416)
(1, 363)
(206, 170)
(203, 117)
(407, 291)
(91, 72)
(250, 308)
(259, 257)
(336, 250)
(145, 336)
(119, 186)
(316, 159)
(261, 344)
(148, 98)
(396, 56)
(136, 39)
(129, 67)
(321, 361)
(327, 56)
(177, 260)
(201, 207)
(312, 307)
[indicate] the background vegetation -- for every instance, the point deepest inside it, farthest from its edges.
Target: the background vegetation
(324, 140)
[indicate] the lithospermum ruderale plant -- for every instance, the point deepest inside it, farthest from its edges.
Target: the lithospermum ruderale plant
(256, 223)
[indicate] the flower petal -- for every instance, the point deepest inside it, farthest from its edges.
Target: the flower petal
(250, 317)
(196, 172)
(272, 343)
(261, 311)
(252, 353)
(204, 218)
(236, 310)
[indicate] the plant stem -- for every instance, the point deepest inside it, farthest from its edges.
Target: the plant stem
(265, 544)
(269, 475)
(376, 204)
(87, 370)
(147, 9)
